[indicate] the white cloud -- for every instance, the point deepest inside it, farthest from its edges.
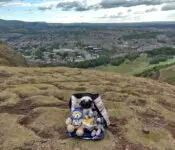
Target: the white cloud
(15, 4)
(46, 4)
(93, 10)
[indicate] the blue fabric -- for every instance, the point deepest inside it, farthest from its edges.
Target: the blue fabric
(87, 135)
(77, 110)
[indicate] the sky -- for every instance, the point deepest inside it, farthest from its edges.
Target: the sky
(91, 11)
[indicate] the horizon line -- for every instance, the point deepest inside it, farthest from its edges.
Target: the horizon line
(137, 22)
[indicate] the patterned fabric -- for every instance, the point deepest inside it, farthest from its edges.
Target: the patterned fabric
(96, 112)
(98, 106)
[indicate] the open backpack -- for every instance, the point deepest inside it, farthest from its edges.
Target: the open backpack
(88, 118)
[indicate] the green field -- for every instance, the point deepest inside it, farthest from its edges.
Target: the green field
(168, 74)
(137, 66)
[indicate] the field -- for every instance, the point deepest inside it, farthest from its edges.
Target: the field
(136, 66)
(128, 67)
(34, 106)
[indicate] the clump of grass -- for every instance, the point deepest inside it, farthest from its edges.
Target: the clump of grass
(26, 90)
(155, 136)
(8, 98)
(115, 114)
(4, 61)
(130, 92)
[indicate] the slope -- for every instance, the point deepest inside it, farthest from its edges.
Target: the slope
(10, 57)
(33, 108)
(168, 75)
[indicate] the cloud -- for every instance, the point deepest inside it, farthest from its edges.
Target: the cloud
(107, 4)
(151, 10)
(31, 11)
(66, 6)
(130, 3)
(13, 3)
(168, 7)
(129, 10)
(5, 0)
(10, 11)
(117, 16)
(46, 3)
(77, 6)
(43, 8)
(172, 16)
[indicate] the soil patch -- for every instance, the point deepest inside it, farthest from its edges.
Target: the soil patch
(139, 102)
(4, 74)
(24, 107)
(167, 105)
(29, 118)
(121, 142)
(171, 128)
(151, 118)
(50, 134)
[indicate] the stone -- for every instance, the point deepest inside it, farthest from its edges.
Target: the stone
(146, 130)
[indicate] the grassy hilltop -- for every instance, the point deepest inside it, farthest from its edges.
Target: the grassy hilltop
(33, 108)
(10, 57)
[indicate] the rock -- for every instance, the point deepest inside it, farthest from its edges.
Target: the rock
(146, 130)
(157, 118)
(63, 142)
(127, 147)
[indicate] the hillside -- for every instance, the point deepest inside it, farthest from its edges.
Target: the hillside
(10, 57)
(168, 75)
(33, 108)
(20, 26)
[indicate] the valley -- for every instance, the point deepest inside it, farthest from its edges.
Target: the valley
(64, 44)
(36, 83)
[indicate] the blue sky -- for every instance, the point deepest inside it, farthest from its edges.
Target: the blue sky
(69, 11)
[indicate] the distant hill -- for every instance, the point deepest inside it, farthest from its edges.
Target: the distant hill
(10, 57)
(11, 25)
(27, 27)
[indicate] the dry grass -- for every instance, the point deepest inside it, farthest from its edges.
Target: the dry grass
(10, 57)
(13, 134)
(33, 108)
(167, 75)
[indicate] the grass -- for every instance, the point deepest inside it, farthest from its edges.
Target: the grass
(15, 135)
(168, 75)
(8, 98)
(4, 61)
(131, 92)
(137, 66)
(168, 62)
(155, 140)
(128, 67)
(40, 99)
(34, 106)
(116, 114)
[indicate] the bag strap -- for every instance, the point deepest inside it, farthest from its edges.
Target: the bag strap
(104, 121)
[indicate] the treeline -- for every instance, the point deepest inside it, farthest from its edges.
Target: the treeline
(103, 60)
(161, 55)
(150, 72)
(119, 61)
(159, 58)
(147, 35)
(161, 51)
